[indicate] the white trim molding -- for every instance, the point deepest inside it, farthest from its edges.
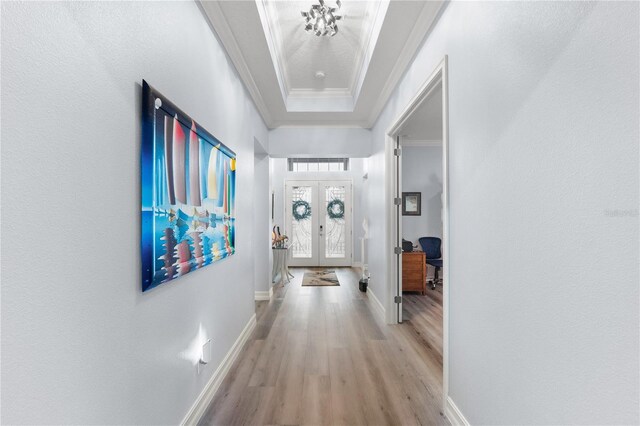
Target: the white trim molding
(269, 20)
(416, 142)
(214, 16)
(425, 22)
(439, 76)
(195, 413)
(307, 100)
(263, 295)
(378, 307)
(454, 415)
(370, 33)
(304, 100)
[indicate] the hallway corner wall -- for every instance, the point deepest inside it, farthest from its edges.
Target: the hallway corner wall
(261, 209)
(544, 110)
(319, 141)
(80, 343)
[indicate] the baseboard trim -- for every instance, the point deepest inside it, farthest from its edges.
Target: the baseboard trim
(378, 308)
(453, 413)
(195, 413)
(263, 295)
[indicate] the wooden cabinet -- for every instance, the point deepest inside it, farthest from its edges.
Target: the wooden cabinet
(414, 271)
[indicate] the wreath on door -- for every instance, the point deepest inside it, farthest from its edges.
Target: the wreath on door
(301, 210)
(335, 209)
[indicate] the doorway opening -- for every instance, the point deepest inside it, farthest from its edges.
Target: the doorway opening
(318, 218)
(418, 213)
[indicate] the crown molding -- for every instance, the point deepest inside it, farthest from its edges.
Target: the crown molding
(416, 37)
(354, 124)
(329, 100)
(269, 18)
(295, 99)
(325, 93)
(419, 142)
(219, 26)
(365, 51)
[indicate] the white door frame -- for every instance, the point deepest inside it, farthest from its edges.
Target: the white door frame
(439, 74)
(348, 260)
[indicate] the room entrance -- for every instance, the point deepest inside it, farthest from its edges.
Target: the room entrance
(318, 222)
(418, 213)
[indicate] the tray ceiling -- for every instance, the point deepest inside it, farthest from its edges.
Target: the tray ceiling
(297, 78)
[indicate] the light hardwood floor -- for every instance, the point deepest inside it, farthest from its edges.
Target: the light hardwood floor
(423, 314)
(319, 355)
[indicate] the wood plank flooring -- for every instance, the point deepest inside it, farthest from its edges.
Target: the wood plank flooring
(424, 315)
(319, 355)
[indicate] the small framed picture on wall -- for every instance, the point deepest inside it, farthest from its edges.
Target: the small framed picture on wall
(411, 204)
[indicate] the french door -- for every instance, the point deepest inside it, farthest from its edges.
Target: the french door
(318, 222)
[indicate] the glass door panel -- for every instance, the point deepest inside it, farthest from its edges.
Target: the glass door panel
(335, 233)
(301, 239)
(301, 222)
(335, 225)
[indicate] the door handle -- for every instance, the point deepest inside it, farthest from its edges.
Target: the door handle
(320, 229)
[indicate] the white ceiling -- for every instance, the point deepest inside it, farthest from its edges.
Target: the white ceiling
(304, 53)
(278, 60)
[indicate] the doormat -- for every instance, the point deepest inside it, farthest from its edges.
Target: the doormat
(321, 277)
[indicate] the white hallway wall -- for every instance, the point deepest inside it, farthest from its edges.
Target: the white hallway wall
(261, 222)
(544, 149)
(319, 142)
(80, 342)
(422, 172)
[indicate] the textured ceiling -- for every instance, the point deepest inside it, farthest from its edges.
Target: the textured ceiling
(277, 60)
(304, 53)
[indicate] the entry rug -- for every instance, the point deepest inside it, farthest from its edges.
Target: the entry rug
(321, 277)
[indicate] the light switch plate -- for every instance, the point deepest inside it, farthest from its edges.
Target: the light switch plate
(206, 352)
(205, 356)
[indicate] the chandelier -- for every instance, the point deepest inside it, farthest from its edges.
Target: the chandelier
(321, 19)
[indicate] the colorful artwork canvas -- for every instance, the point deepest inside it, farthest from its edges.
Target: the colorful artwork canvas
(188, 193)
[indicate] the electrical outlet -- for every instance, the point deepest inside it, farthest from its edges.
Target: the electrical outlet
(205, 356)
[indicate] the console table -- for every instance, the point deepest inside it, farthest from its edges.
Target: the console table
(280, 265)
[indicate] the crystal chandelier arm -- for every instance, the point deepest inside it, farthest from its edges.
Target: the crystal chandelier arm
(321, 18)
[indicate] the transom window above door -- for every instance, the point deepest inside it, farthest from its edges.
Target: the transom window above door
(318, 164)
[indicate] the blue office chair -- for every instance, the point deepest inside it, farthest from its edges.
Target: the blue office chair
(431, 248)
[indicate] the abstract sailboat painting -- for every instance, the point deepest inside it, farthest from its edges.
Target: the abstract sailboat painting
(188, 193)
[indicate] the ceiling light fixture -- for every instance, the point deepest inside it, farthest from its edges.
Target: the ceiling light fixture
(321, 19)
